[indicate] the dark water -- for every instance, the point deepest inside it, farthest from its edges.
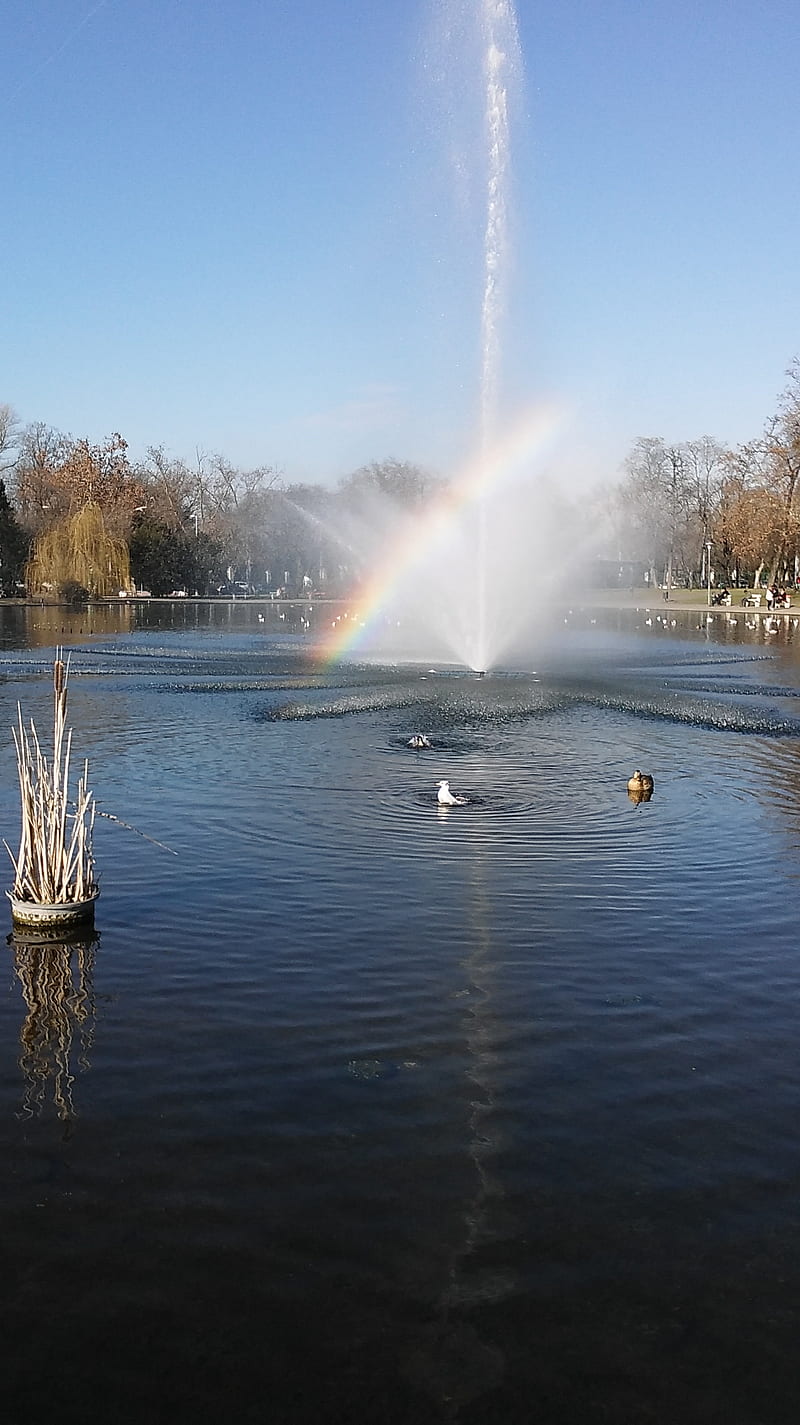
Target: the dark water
(364, 1110)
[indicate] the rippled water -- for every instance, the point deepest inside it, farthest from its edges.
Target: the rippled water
(363, 1109)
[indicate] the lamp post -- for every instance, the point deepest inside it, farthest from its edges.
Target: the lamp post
(708, 570)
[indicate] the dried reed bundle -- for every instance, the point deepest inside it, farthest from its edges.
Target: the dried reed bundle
(54, 865)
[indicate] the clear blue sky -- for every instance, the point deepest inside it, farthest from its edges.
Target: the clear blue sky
(232, 226)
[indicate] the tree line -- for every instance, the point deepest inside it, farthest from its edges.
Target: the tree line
(79, 518)
(684, 510)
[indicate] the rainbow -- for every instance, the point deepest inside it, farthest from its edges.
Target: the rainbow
(506, 461)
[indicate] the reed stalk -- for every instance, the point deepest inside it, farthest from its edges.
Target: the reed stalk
(55, 863)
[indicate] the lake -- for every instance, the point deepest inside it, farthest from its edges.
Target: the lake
(358, 1108)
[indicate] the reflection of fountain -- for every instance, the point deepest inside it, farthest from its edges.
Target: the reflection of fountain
(56, 980)
(456, 1365)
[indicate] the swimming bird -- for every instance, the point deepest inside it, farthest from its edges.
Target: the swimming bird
(445, 797)
(419, 740)
(640, 782)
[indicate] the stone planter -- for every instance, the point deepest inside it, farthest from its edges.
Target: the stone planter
(63, 915)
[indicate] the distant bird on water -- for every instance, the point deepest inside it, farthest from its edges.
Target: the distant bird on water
(419, 740)
(445, 797)
(640, 782)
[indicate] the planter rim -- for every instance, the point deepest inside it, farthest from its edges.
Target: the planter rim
(42, 912)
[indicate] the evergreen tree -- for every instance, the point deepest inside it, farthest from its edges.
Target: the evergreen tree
(13, 546)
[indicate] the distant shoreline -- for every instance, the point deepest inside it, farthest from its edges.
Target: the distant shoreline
(680, 600)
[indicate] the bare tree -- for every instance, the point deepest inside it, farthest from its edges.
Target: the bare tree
(781, 446)
(58, 476)
(706, 464)
(9, 437)
(748, 531)
(169, 489)
(648, 497)
(232, 505)
(397, 480)
(42, 452)
(222, 486)
(668, 503)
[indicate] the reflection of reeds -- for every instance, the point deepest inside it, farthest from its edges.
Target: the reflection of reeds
(56, 980)
(55, 863)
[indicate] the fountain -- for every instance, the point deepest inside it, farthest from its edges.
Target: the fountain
(457, 583)
(501, 50)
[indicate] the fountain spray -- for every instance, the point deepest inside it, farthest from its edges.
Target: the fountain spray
(502, 63)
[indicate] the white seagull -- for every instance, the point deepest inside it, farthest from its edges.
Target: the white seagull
(445, 797)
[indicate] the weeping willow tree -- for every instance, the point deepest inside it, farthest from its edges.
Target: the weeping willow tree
(78, 553)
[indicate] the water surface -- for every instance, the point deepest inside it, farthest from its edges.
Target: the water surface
(363, 1109)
